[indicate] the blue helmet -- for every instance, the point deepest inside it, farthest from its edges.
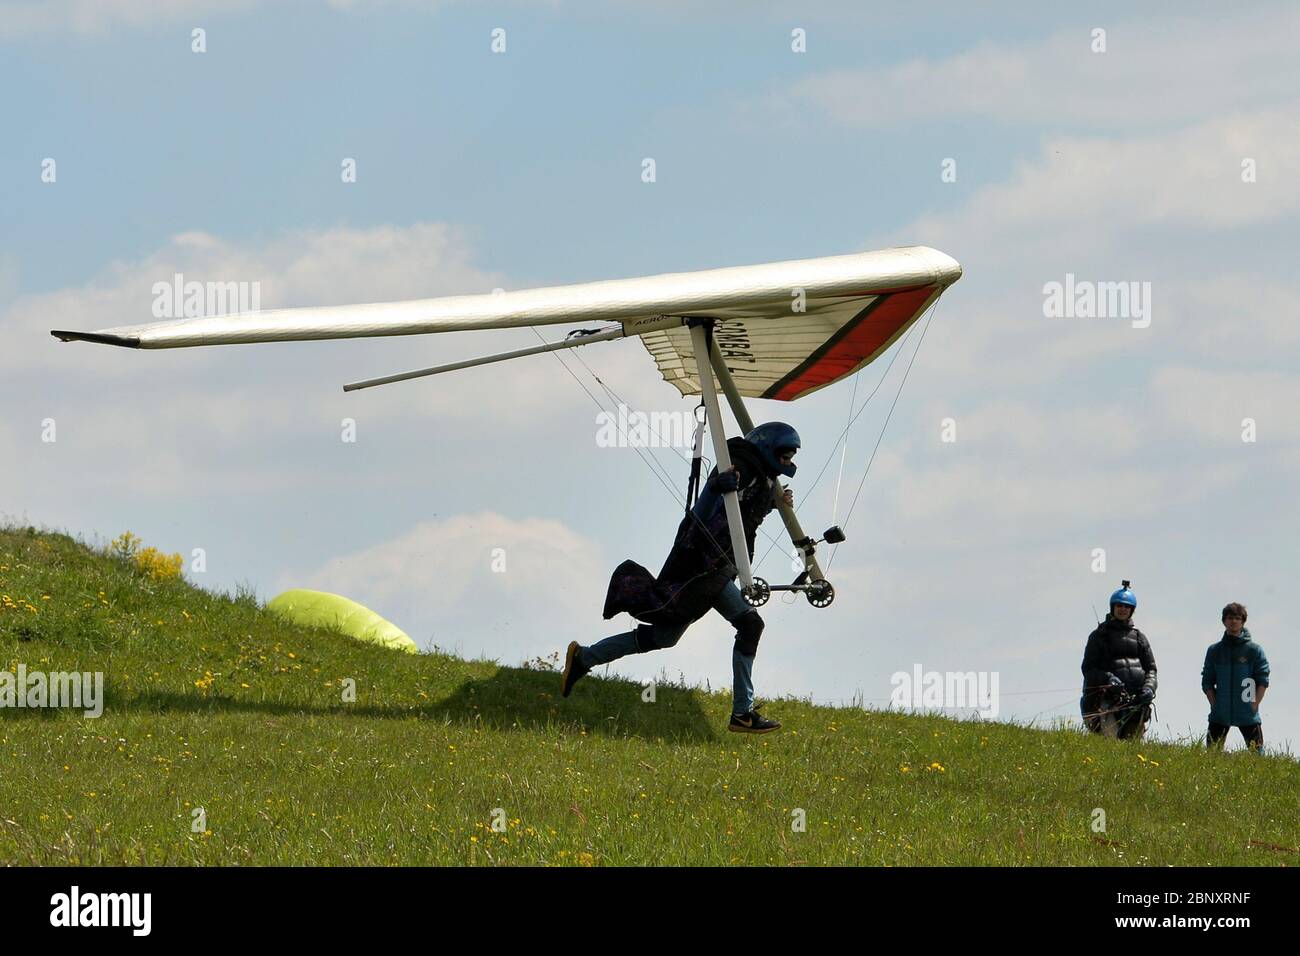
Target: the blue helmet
(771, 439)
(1124, 596)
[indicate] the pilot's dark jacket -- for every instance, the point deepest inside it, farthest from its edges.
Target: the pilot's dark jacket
(700, 563)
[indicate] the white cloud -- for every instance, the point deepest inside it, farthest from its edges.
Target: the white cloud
(1164, 70)
(1034, 430)
(8, 276)
(1141, 209)
(226, 389)
(178, 422)
(438, 579)
(1211, 404)
(1011, 494)
(1236, 316)
(229, 389)
(335, 266)
(96, 17)
(1082, 191)
(99, 17)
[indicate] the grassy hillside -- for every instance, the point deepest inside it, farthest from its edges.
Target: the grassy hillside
(213, 703)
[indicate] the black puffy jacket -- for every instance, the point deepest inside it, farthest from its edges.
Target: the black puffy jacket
(700, 563)
(1119, 648)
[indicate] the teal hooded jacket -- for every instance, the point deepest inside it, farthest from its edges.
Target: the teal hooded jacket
(1229, 663)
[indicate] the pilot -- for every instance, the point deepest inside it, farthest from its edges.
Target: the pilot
(700, 573)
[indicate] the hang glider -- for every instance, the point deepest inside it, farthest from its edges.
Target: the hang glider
(779, 331)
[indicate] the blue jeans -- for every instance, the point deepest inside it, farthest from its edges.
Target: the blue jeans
(729, 604)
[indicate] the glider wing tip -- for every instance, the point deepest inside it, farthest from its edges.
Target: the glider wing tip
(102, 338)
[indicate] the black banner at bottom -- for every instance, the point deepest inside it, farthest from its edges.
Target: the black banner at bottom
(329, 905)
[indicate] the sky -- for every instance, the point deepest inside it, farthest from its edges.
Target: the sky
(1156, 145)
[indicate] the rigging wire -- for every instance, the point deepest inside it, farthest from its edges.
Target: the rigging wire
(906, 372)
(661, 474)
(618, 398)
(806, 495)
(844, 450)
(649, 461)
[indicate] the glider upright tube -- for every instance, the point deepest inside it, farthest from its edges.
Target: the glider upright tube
(746, 424)
(710, 395)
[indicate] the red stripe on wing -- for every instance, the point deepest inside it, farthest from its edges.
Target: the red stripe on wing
(859, 340)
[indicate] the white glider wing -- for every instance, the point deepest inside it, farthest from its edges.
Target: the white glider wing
(785, 328)
(779, 331)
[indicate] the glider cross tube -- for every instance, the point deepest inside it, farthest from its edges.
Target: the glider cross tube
(569, 343)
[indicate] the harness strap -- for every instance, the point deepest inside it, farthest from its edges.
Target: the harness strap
(697, 453)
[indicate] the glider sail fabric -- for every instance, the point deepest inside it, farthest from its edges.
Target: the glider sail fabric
(853, 302)
(786, 356)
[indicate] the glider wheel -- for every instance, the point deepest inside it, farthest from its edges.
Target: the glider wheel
(757, 594)
(820, 594)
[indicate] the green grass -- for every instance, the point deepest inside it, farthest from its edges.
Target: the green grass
(212, 702)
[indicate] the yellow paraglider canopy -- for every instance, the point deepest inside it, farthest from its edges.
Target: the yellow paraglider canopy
(335, 612)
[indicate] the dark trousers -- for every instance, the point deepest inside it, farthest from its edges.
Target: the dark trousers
(1253, 734)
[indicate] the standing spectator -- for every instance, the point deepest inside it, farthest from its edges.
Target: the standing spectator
(1119, 673)
(1234, 679)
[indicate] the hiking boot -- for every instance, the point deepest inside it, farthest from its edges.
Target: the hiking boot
(573, 669)
(752, 723)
